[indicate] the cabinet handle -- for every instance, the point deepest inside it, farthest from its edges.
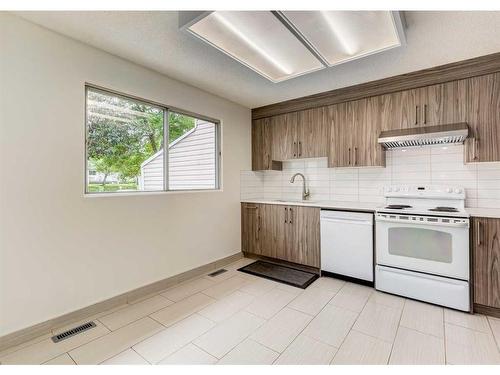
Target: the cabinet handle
(251, 207)
(425, 113)
(286, 214)
(291, 216)
(355, 156)
(259, 223)
(300, 148)
(475, 144)
(294, 149)
(349, 157)
(416, 115)
(478, 233)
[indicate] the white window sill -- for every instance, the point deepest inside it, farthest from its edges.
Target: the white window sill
(147, 193)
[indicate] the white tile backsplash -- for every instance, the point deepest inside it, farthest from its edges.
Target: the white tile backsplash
(426, 165)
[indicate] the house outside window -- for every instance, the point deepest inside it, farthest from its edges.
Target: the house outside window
(125, 140)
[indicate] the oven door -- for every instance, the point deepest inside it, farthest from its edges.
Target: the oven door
(434, 245)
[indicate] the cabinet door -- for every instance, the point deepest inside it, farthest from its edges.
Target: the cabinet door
(388, 116)
(284, 137)
(261, 144)
(486, 256)
(273, 230)
(483, 117)
(406, 106)
(366, 127)
(312, 133)
(340, 118)
(250, 228)
(443, 104)
(303, 236)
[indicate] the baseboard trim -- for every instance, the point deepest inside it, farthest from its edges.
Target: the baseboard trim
(30, 333)
(487, 310)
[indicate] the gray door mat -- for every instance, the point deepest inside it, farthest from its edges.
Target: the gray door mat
(283, 274)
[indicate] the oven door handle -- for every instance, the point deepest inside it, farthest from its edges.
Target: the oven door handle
(432, 224)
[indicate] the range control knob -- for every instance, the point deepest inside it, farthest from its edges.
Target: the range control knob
(458, 191)
(389, 189)
(396, 189)
(449, 190)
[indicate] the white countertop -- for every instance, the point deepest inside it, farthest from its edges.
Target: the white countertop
(484, 212)
(352, 206)
(362, 206)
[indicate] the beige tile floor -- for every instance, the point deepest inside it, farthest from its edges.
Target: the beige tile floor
(235, 318)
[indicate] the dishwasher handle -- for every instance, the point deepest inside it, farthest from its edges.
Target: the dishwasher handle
(347, 221)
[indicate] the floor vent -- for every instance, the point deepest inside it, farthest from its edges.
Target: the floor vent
(72, 332)
(218, 272)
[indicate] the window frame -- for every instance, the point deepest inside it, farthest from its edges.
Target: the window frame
(166, 110)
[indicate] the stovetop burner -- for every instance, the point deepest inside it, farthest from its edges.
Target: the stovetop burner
(444, 209)
(398, 206)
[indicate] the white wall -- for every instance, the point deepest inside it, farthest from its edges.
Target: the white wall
(426, 165)
(61, 251)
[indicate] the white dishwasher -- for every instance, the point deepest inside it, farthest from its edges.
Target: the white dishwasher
(347, 244)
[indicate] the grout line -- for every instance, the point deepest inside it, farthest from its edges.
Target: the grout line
(445, 341)
(357, 317)
(131, 348)
(203, 350)
(307, 325)
(497, 342)
(71, 358)
(397, 330)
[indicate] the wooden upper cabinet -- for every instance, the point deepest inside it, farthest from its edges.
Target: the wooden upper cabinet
(355, 127)
(388, 116)
(443, 104)
(261, 145)
(406, 109)
(347, 132)
(284, 137)
(340, 142)
(486, 261)
(427, 106)
(312, 133)
(301, 134)
(483, 117)
(369, 152)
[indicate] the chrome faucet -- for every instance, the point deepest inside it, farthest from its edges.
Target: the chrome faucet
(305, 192)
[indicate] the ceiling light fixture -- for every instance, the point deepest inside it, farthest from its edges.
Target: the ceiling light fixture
(285, 69)
(280, 45)
(338, 30)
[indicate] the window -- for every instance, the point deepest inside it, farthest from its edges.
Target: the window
(192, 154)
(125, 146)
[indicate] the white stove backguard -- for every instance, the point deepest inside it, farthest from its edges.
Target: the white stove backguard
(427, 196)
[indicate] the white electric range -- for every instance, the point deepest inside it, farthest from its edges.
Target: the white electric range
(422, 244)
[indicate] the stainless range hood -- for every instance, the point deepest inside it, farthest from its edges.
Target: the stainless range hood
(424, 136)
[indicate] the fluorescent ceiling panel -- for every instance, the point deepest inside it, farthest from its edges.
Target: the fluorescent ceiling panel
(258, 40)
(340, 36)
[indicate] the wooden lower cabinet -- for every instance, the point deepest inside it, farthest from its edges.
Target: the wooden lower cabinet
(250, 228)
(289, 233)
(486, 264)
(303, 236)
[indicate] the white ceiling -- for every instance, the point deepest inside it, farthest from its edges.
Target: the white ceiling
(152, 39)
